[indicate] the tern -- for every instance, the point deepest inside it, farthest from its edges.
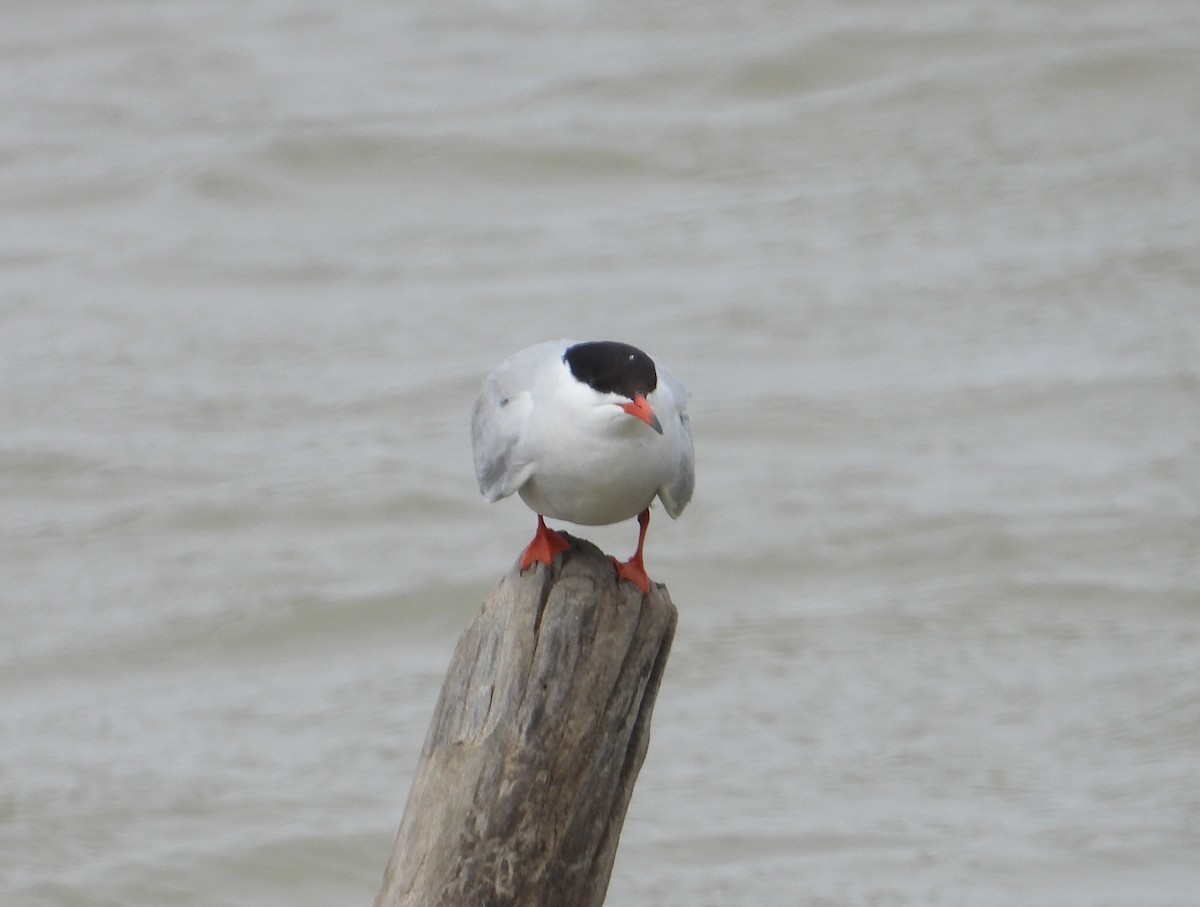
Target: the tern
(589, 433)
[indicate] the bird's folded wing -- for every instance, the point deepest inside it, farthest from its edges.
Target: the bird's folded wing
(496, 425)
(678, 491)
(501, 416)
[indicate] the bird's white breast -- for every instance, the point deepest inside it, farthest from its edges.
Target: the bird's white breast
(594, 464)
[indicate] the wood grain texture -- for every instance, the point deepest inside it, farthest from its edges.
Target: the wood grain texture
(538, 736)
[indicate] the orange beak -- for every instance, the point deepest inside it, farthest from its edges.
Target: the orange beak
(640, 409)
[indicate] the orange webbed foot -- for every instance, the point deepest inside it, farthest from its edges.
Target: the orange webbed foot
(545, 547)
(634, 571)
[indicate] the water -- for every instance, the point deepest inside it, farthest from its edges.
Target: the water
(930, 272)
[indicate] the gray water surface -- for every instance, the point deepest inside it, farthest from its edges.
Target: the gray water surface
(929, 270)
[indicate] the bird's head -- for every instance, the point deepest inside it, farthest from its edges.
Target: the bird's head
(619, 372)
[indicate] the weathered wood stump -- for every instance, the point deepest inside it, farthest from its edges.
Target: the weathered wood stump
(537, 739)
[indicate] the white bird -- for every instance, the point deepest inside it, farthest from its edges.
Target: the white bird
(586, 432)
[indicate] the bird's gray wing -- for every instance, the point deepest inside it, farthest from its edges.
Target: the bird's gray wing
(678, 491)
(499, 419)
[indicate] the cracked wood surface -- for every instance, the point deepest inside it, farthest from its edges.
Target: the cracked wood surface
(536, 742)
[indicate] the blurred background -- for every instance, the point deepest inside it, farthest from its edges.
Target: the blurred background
(929, 269)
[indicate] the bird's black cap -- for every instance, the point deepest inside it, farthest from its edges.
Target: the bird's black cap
(610, 367)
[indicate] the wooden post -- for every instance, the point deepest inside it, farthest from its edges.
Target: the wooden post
(537, 739)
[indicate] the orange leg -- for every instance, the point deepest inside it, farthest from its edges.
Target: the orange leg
(546, 545)
(633, 569)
